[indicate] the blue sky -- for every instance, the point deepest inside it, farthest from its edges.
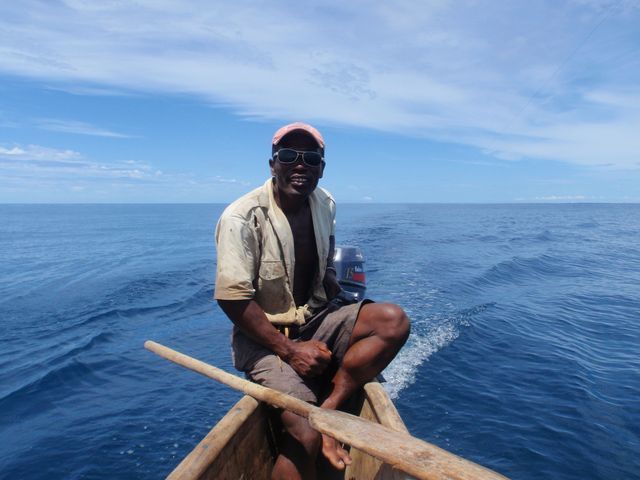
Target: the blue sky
(441, 101)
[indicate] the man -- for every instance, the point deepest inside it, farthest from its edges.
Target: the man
(276, 282)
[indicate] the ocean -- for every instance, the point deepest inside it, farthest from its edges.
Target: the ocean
(524, 354)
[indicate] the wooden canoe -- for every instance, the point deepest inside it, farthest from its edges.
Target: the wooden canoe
(242, 445)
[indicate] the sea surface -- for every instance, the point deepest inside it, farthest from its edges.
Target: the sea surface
(524, 354)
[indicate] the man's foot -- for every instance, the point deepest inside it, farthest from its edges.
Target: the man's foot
(337, 456)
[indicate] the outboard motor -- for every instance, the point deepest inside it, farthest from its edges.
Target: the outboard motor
(349, 263)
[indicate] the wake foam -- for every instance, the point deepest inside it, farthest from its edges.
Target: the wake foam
(428, 335)
(402, 371)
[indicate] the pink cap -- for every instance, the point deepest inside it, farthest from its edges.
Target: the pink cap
(298, 126)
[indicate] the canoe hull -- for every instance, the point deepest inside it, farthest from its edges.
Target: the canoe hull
(242, 445)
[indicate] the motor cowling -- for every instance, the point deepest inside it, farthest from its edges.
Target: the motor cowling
(349, 263)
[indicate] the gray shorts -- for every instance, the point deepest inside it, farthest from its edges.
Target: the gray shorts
(332, 325)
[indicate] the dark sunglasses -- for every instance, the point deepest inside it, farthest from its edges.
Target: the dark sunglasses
(289, 156)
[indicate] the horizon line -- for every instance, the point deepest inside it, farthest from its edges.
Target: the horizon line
(634, 202)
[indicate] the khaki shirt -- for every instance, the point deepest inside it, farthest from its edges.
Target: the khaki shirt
(256, 258)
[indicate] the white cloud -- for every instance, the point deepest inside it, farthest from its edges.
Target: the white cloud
(542, 80)
(35, 165)
(83, 90)
(80, 128)
(220, 179)
(37, 153)
(562, 198)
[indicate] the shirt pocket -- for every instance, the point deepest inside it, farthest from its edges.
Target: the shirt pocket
(271, 270)
(273, 293)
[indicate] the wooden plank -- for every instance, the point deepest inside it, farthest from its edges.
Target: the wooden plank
(377, 407)
(401, 450)
(196, 464)
(363, 465)
(247, 455)
(384, 409)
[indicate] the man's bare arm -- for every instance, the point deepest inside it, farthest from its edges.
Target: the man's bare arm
(307, 358)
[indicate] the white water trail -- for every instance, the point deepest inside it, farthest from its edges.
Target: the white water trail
(401, 372)
(429, 334)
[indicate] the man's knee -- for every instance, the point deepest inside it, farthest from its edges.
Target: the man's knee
(392, 323)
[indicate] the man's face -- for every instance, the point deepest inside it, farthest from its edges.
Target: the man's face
(297, 178)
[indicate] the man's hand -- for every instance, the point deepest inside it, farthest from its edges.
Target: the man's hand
(330, 283)
(310, 358)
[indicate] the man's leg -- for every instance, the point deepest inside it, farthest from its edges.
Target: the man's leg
(300, 445)
(298, 451)
(380, 331)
